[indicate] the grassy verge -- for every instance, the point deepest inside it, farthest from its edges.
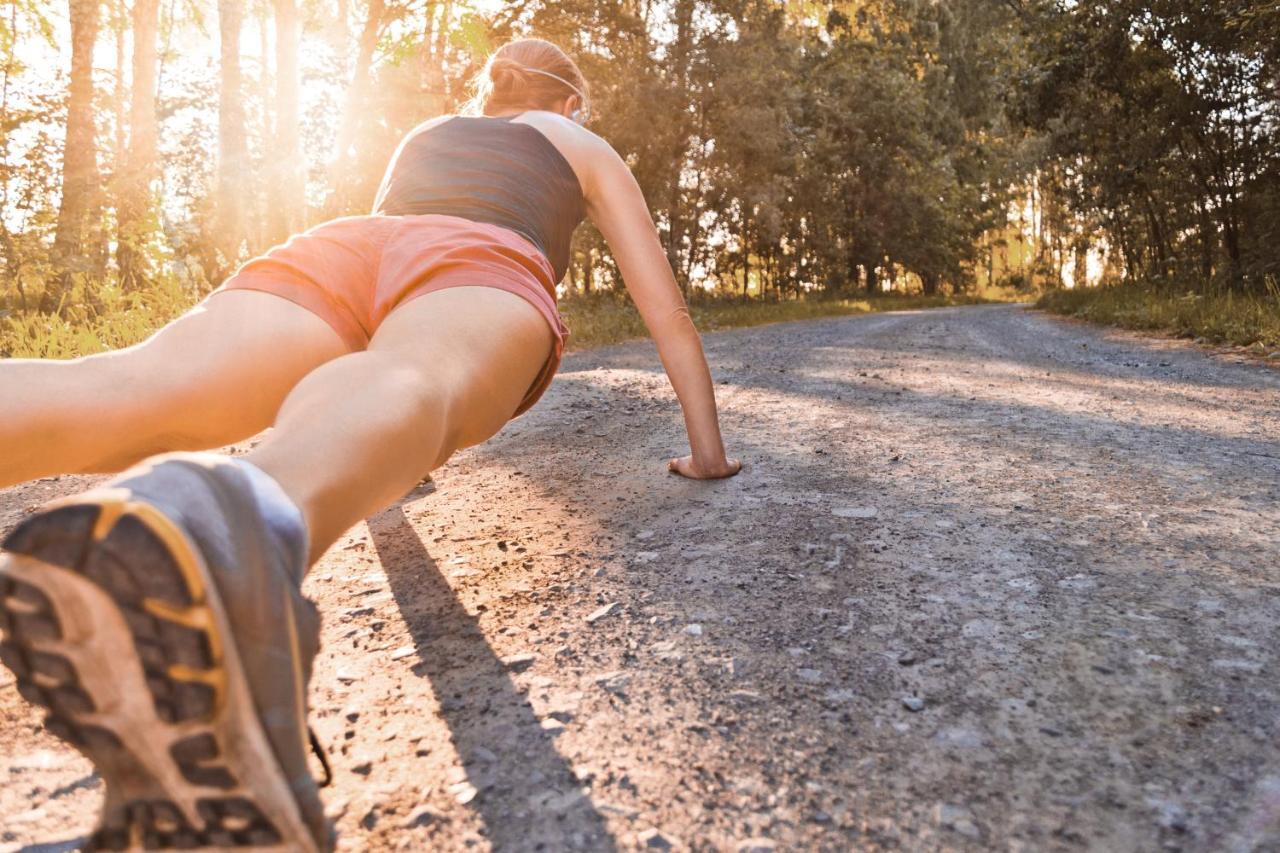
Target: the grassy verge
(597, 320)
(1223, 318)
(604, 319)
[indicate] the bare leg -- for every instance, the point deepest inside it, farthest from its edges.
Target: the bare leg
(444, 371)
(213, 376)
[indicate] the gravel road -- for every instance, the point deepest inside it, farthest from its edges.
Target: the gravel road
(988, 580)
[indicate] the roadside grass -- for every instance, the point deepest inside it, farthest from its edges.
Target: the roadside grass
(124, 319)
(606, 318)
(121, 320)
(1220, 318)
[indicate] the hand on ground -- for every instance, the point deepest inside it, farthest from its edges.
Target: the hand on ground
(686, 467)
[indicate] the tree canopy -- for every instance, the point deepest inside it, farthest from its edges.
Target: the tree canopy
(785, 148)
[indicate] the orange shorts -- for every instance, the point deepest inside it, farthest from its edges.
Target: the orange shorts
(354, 271)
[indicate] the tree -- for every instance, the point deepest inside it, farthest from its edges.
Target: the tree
(286, 209)
(78, 246)
(233, 151)
(134, 201)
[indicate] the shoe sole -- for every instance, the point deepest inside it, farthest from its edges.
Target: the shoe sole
(112, 623)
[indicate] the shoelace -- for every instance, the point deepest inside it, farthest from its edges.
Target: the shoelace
(319, 752)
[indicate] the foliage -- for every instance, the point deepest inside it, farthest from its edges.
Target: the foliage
(1223, 316)
(786, 149)
(1162, 119)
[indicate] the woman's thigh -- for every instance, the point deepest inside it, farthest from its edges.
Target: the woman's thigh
(481, 346)
(223, 368)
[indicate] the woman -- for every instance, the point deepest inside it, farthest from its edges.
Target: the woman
(159, 618)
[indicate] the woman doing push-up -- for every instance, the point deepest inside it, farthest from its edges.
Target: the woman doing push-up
(158, 618)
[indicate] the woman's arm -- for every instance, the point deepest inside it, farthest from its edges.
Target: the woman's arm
(617, 206)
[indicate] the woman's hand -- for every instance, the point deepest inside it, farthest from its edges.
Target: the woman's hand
(685, 466)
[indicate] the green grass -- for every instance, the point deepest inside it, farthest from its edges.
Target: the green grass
(1222, 318)
(603, 319)
(596, 320)
(124, 319)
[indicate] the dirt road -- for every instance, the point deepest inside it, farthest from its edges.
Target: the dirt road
(988, 580)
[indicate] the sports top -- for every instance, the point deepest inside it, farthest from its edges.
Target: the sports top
(488, 169)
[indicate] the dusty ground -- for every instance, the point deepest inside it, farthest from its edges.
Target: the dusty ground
(988, 580)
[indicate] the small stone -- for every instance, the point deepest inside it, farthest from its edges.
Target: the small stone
(957, 818)
(482, 754)
(855, 512)
(655, 840)
(756, 845)
(346, 676)
(603, 612)
(907, 658)
(614, 682)
(463, 792)
(694, 630)
(552, 726)
(420, 817)
(402, 653)
(520, 662)
(364, 768)
(809, 676)
(913, 703)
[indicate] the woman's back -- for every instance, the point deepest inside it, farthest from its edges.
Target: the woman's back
(488, 169)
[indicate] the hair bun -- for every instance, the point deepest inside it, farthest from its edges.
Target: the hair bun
(507, 73)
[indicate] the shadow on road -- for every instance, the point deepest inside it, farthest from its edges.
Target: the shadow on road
(527, 791)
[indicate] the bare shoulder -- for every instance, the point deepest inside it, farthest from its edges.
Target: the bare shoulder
(587, 153)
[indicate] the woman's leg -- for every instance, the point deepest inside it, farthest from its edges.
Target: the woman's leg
(444, 371)
(213, 376)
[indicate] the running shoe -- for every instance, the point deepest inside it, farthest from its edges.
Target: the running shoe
(159, 621)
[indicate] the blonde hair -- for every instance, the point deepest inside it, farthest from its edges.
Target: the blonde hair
(526, 74)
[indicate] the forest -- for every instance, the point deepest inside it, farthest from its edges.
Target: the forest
(788, 150)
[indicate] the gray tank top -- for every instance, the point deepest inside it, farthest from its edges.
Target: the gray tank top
(489, 169)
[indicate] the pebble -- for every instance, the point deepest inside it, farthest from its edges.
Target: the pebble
(957, 818)
(913, 703)
(693, 630)
(755, 845)
(810, 676)
(420, 817)
(614, 682)
(907, 658)
(402, 653)
(655, 840)
(855, 512)
(552, 726)
(520, 662)
(608, 610)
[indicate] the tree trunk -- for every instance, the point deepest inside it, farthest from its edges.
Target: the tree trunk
(233, 152)
(340, 178)
(134, 204)
(286, 210)
(78, 241)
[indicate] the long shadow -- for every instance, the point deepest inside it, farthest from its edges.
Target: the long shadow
(528, 796)
(55, 846)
